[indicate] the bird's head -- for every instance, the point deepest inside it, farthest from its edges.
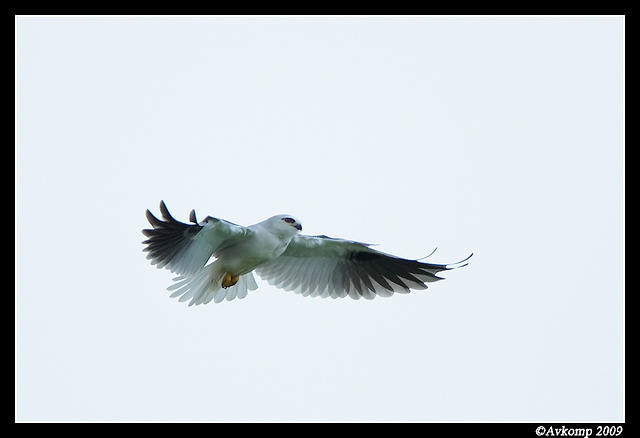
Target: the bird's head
(285, 223)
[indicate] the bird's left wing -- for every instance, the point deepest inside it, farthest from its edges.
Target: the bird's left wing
(325, 266)
(184, 248)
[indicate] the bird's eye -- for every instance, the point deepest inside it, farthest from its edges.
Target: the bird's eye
(288, 220)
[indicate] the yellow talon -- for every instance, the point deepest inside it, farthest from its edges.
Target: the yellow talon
(229, 280)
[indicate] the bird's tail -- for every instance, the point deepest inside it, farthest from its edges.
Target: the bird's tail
(206, 285)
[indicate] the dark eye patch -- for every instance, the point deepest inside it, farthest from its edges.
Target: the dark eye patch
(288, 220)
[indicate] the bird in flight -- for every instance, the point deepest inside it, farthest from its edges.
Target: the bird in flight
(274, 248)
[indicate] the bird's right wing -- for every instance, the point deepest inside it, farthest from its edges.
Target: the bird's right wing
(324, 266)
(184, 248)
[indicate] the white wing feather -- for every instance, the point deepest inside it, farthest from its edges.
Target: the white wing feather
(324, 266)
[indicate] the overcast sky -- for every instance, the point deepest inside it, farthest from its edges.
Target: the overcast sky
(499, 136)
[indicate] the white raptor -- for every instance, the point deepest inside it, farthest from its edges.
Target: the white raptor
(310, 265)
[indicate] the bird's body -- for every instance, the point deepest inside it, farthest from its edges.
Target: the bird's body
(275, 249)
(263, 244)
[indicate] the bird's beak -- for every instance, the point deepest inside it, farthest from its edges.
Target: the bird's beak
(299, 227)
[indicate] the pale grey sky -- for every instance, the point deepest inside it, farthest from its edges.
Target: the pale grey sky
(500, 136)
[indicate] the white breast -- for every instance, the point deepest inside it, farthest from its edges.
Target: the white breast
(260, 248)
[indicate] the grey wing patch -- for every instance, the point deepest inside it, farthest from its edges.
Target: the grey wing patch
(337, 239)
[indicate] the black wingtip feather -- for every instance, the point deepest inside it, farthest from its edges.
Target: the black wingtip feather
(167, 238)
(428, 255)
(458, 263)
(155, 222)
(165, 212)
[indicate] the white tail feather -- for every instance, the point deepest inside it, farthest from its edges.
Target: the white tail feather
(205, 285)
